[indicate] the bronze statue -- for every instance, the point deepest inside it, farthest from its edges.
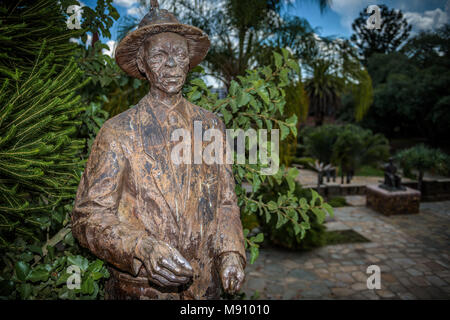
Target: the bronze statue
(392, 181)
(168, 231)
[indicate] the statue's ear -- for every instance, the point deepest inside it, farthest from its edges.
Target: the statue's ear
(140, 63)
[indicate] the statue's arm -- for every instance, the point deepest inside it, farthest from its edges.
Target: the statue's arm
(230, 237)
(95, 222)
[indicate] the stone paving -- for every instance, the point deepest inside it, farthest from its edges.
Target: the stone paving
(412, 251)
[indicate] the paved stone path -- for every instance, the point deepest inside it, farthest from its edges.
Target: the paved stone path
(413, 252)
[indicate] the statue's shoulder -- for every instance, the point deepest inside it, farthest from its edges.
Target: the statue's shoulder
(213, 119)
(123, 122)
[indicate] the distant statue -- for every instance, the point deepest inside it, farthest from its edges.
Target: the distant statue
(392, 181)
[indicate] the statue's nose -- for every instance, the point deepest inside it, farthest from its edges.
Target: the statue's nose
(170, 62)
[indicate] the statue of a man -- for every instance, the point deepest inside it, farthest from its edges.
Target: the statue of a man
(167, 230)
(392, 181)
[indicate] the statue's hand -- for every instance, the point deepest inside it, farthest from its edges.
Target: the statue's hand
(231, 272)
(165, 266)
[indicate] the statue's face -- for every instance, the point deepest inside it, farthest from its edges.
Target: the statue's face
(166, 61)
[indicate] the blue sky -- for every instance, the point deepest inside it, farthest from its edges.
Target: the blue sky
(336, 20)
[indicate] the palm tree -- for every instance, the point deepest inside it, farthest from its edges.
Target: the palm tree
(324, 90)
(334, 69)
(356, 147)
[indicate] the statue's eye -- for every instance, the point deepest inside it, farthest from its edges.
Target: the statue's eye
(181, 55)
(157, 57)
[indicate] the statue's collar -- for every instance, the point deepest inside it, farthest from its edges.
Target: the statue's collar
(161, 110)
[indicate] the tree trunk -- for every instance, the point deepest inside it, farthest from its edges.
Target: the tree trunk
(420, 180)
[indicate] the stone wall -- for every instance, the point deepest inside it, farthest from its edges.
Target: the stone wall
(432, 190)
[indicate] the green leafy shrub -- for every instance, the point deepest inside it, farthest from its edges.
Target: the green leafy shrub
(422, 159)
(42, 152)
(44, 273)
(285, 236)
(349, 147)
(257, 101)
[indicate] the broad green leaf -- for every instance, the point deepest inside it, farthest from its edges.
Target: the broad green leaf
(87, 286)
(272, 205)
(262, 92)
(254, 253)
(22, 270)
(329, 209)
(319, 213)
(278, 59)
(293, 65)
(259, 237)
(38, 274)
(284, 130)
(242, 98)
(79, 261)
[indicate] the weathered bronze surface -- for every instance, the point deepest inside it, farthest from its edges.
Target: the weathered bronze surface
(168, 231)
(392, 181)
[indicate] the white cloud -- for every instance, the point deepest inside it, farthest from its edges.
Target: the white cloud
(349, 10)
(126, 3)
(134, 11)
(428, 20)
(89, 39)
(75, 40)
(112, 47)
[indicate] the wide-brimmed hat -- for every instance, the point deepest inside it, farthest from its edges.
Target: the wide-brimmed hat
(159, 21)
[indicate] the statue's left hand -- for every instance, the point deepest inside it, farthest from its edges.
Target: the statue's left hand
(231, 272)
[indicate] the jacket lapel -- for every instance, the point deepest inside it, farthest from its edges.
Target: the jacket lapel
(154, 146)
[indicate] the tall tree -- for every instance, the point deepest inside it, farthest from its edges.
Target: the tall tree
(39, 157)
(333, 69)
(394, 32)
(241, 30)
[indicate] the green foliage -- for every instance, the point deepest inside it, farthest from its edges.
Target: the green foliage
(369, 171)
(43, 130)
(257, 101)
(24, 27)
(92, 120)
(422, 159)
(350, 147)
(411, 97)
(98, 20)
(324, 89)
(40, 161)
(331, 78)
(39, 273)
(356, 146)
(110, 87)
(285, 235)
(337, 237)
(393, 33)
(296, 104)
(319, 142)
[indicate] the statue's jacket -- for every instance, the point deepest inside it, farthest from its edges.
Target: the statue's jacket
(130, 189)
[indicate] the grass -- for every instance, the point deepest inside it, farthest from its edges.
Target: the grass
(343, 236)
(366, 171)
(337, 202)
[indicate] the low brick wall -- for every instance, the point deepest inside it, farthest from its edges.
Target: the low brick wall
(393, 202)
(432, 190)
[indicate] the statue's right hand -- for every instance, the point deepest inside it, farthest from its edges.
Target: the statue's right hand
(165, 266)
